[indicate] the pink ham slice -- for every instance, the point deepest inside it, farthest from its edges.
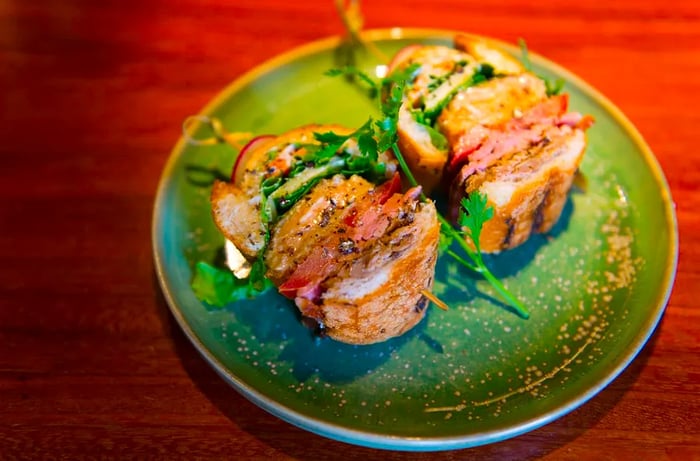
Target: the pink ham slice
(483, 146)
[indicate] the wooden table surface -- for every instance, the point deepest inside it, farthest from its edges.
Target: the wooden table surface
(92, 95)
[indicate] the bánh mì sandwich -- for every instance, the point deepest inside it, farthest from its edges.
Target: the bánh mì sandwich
(473, 119)
(333, 231)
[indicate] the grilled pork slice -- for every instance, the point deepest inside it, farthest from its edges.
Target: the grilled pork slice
(466, 120)
(526, 174)
(354, 256)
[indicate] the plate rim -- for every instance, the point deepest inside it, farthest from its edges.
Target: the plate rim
(413, 443)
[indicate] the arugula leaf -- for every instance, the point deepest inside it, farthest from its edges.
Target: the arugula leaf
(524, 55)
(402, 76)
(552, 88)
(437, 80)
(351, 72)
(218, 287)
(257, 282)
(326, 152)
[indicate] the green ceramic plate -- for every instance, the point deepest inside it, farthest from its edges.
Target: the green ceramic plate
(596, 286)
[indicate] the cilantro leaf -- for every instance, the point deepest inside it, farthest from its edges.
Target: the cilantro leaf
(330, 137)
(473, 214)
(367, 145)
(482, 73)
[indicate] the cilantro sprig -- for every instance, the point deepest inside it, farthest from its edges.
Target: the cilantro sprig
(473, 213)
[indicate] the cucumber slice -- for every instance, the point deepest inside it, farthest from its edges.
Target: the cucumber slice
(303, 179)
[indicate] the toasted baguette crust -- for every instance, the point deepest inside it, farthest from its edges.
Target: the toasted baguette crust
(237, 218)
(312, 222)
(503, 63)
(424, 159)
(371, 293)
(380, 295)
(528, 195)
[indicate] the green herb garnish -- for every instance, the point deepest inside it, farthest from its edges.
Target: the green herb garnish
(351, 71)
(438, 98)
(320, 160)
(553, 87)
(218, 287)
(437, 101)
(437, 80)
(472, 216)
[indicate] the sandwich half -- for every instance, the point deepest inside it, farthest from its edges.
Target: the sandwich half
(474, 119)
(354, 252)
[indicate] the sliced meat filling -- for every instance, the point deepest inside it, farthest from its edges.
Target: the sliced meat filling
(310, 224)
(528, 188)
(485, 145)
(301, 263)
(475, 111)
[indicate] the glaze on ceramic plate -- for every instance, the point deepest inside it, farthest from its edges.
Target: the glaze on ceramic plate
(596, 285)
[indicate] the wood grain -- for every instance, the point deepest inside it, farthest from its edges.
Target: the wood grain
(92, 97)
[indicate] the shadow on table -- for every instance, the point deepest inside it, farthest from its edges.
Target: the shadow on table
(299, 444)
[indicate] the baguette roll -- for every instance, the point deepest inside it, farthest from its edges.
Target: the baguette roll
(356, 257)
(504, 136)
